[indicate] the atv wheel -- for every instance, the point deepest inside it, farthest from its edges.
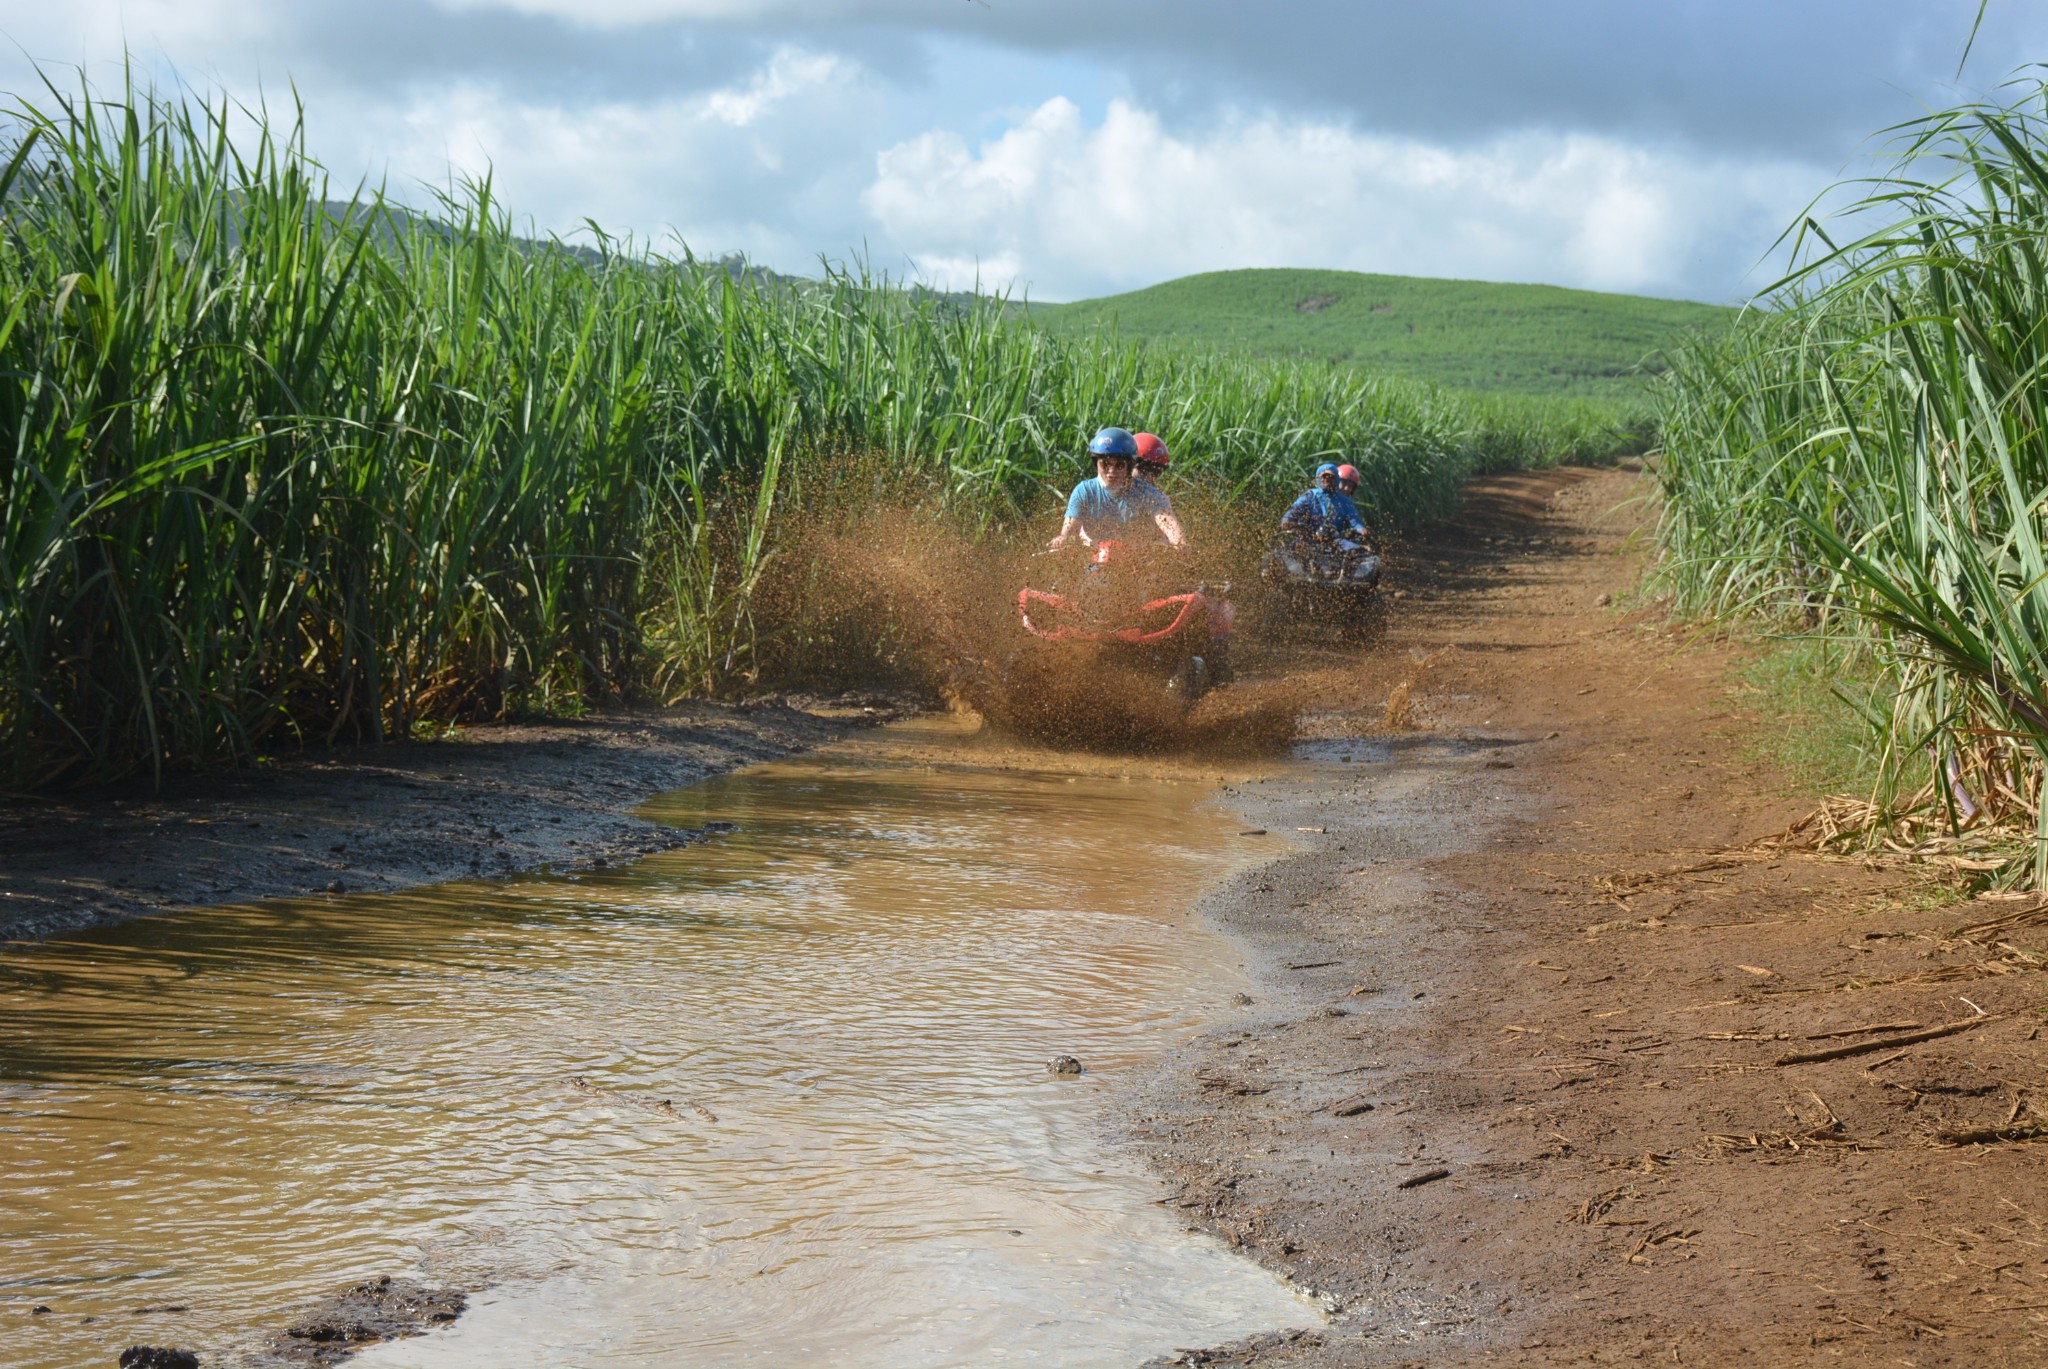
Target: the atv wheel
(1221, 676)
(1190, 681)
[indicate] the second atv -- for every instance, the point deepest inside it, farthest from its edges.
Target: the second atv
(1325, 580)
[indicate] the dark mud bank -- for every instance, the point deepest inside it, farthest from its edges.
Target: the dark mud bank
(331, 1331)
(376, 1310)
(490, 801)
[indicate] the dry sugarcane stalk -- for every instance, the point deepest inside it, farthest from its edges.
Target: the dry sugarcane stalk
(1428, 1176)
(1981, 1136)
(1994, 929)
(1869, 1047)
(1862, 1031)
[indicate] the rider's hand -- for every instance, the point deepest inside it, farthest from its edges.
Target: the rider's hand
(1056, 543)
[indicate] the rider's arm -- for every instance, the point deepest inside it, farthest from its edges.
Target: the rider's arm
(1159, 508)
(1353, 520)
(1076, 504)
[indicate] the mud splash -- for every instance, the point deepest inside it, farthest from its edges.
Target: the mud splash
(939, 612)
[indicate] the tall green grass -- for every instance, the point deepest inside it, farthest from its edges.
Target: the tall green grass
(280, 466)
(1870, 456)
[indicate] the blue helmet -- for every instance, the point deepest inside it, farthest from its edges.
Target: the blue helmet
(1327, 468)
(1114, 442)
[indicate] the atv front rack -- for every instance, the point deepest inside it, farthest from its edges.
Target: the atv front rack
(1189, 608)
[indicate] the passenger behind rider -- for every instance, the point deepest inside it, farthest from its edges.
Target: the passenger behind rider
(1326, 513)
(1347, 486)
(1115, 505)
(1152, 459)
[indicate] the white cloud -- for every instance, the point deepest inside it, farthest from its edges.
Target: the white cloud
(789, 73)
(714, 118)
(768, 158)
(732, 168)
(1070, 208)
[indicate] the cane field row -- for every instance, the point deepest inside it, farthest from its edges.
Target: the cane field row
(286, 466)
(1866, 461)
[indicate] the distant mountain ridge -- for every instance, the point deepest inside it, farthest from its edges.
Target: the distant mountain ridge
(1479, 335)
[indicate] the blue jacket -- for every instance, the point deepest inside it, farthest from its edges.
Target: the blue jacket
(1323, 513)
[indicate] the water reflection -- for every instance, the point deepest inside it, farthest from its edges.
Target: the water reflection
(775, 1099)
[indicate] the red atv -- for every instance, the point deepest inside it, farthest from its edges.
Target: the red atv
(1179, 639)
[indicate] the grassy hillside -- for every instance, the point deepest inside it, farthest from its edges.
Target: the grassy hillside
(1524, 339)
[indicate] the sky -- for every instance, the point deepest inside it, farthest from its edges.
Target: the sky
(1069, 149)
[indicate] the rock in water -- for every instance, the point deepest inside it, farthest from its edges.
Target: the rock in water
(381, 1309)
(1063, 1064)
(157, 1357)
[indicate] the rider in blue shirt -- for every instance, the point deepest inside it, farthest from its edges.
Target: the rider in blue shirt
(1325, 512)
(1114, 506)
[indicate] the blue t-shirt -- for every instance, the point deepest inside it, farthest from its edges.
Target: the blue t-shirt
(1323, 513)
(1107, 517)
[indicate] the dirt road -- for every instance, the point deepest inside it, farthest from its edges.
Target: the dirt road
(1524, 1084)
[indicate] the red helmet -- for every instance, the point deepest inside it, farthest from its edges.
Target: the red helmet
(1344, 473)
(1152, 452)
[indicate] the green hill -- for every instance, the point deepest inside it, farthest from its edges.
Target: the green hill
(1523, 339)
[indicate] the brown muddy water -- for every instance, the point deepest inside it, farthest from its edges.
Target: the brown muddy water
(779, 1098)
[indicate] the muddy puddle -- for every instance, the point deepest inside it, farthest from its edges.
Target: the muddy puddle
(776, 1098)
